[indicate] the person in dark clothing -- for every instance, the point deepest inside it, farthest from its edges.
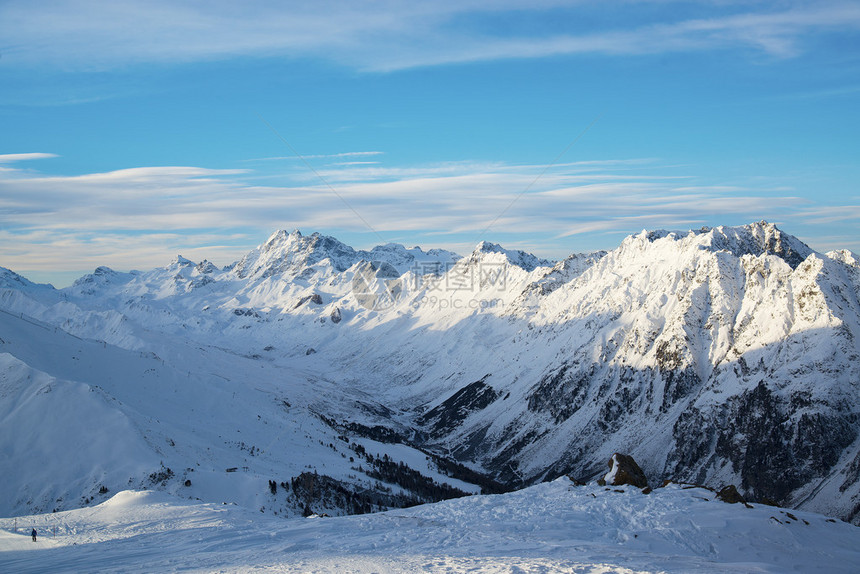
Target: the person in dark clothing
(34, 534)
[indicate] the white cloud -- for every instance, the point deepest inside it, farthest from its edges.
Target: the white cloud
(346, 154)
(140, 217)
(13, 157)
(385, 35)
(60, 250)
(832, 214)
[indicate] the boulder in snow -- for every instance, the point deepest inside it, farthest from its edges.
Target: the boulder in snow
(730, 494)
(623, 470)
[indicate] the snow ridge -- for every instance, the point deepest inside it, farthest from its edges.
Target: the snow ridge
(289, 253)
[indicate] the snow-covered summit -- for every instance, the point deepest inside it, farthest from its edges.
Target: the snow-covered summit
(101, 278)
(206, 267)
(412, 259)
(845, 256)
(288, 254)
(755, 239)
(525, 261)
(180, 261)
(11, 280)
(564, 271)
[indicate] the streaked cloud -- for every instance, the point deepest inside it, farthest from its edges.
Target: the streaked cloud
(341, 155)
(390, 35)
(13, 157)
(832, 214)
(141, 217)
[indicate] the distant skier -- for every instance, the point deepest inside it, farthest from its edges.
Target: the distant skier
(34, 534)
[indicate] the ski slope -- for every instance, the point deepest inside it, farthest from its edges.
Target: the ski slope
(551, 527)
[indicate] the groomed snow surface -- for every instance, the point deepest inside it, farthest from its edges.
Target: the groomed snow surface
(551, 527)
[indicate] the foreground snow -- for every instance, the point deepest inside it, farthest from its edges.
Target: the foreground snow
(553, 527)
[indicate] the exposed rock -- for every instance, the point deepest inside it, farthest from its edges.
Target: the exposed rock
(240, 312)
(205, 267)
(772, 442)
(561, 393)
(315, 298)
(446, 416)
(730, 494)
(336, 316)
(623, 470)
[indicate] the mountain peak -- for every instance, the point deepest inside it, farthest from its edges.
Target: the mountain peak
(206, 267)
(101, 278)
(489, 247)
(10, 279)
(758, 238)
(522, 259)
(283, 251)
(101, 274)
(761, 238)
(275, 238)
(180, 261)
(282, 236)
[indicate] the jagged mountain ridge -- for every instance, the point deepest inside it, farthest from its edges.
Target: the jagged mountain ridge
(717, 355)
(285, 251)
(734, 363)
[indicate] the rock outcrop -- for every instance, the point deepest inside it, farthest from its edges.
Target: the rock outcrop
(623, 470)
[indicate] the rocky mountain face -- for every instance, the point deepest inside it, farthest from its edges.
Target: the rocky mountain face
(716, 356)
(724, 355)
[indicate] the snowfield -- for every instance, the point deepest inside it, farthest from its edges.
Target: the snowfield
(551, 527)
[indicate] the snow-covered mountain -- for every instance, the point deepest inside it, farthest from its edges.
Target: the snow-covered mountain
(716, 356)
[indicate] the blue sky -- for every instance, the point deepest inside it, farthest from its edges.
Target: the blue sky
(133, 131)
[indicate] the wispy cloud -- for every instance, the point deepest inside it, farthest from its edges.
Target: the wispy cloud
(14, 157)
(345, 154)
(824, 215)
(386, 36)
(140, 217)
(39, 250)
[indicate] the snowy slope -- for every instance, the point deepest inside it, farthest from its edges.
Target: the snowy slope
(552, 527)
(721, 355)
(82, 419)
